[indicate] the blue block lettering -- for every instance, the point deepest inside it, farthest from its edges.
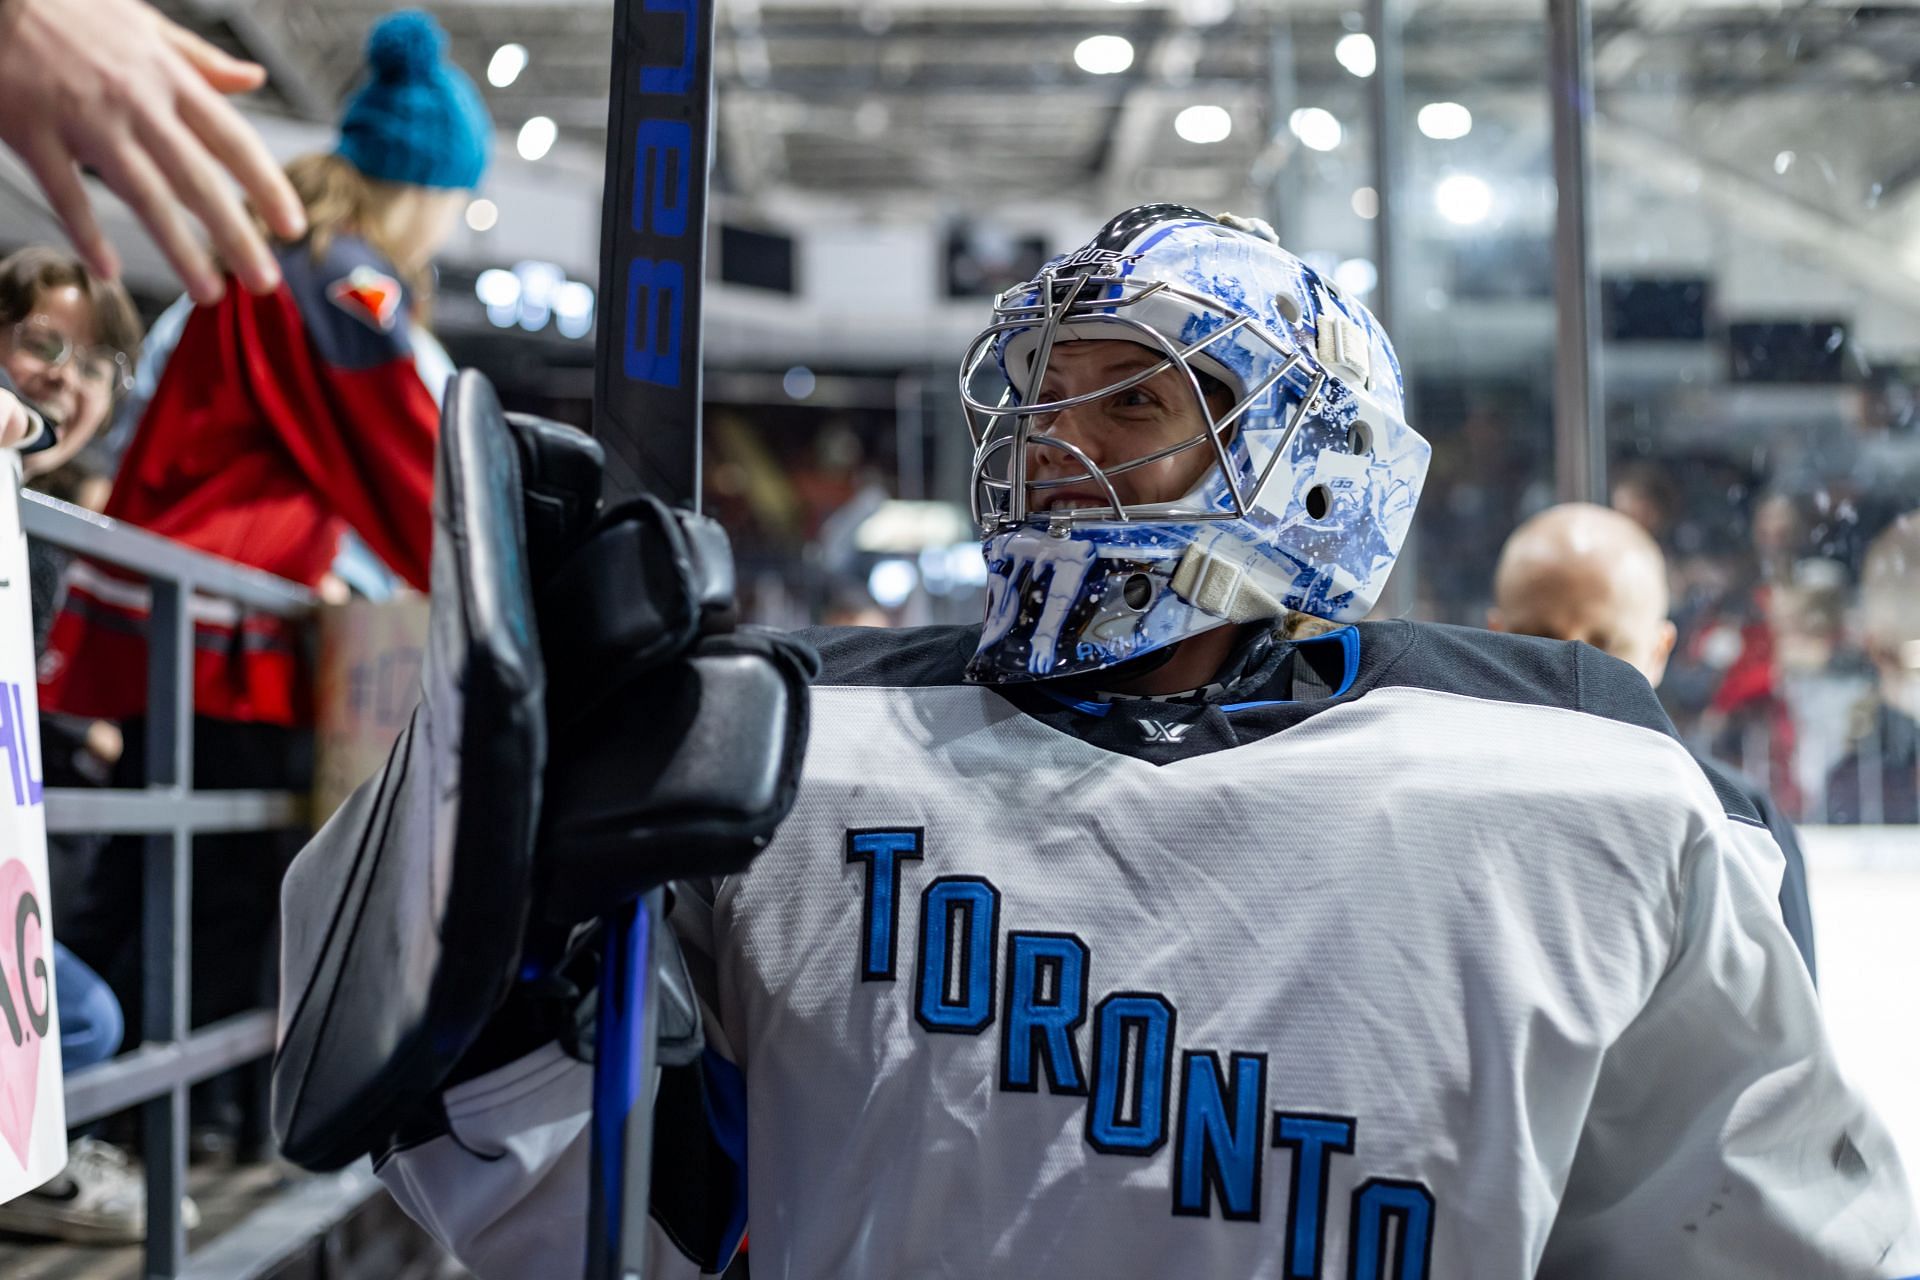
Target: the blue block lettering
(29, 744)
(677, 79)
(883, 852)
(959, 924)
(1219, 1148)
(662, 168)
(14, 741)
(655, 298)
(1374, 1202)
(1046, 1002)
(1132, 1072)
(1313, 1139)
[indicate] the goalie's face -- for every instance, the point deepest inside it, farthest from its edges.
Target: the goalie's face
(1160, 413)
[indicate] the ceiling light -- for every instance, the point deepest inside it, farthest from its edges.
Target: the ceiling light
(1205, 13)
(1445, 121)
(1356, 276)
(890, 582)
(508, 61)
(1103, 55)
(536, 138)
(1203, 124)
(1355, 53)
(497, 288)
(1463, 199)
(483, 214)
(499, 292)
(1366, 203)
(539, 281)
(1316, 127)
(573, 308)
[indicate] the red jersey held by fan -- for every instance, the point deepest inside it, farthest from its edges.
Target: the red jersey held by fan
(280, 422)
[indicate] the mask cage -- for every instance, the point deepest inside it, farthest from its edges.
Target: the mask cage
(1003, 431)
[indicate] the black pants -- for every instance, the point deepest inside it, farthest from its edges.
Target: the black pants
(236, 876)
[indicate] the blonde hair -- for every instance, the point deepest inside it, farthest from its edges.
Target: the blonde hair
(340, 200)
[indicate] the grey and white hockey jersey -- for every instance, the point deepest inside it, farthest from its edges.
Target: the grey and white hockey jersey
(1466, 970)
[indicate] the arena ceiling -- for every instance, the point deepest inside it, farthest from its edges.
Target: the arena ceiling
(981, 100)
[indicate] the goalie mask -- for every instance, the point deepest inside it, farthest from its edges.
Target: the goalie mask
(1279, 421)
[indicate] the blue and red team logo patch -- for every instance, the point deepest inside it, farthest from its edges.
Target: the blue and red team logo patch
(369, 296)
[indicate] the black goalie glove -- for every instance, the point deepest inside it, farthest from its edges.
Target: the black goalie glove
(592, 725)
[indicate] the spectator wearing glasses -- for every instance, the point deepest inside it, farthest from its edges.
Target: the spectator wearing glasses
(281, 421)
(67, 341)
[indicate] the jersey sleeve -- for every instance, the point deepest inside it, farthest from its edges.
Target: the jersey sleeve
(505, 1189)
(331, 365)
(1722, 1141)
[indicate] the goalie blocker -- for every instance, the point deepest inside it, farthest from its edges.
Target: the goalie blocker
(592, 725)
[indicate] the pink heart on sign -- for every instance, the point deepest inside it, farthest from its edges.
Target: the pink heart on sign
(20, 1062)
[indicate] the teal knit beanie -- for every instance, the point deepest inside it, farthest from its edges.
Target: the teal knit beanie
(418, 119)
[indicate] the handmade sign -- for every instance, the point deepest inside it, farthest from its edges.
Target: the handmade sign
(33, 1122)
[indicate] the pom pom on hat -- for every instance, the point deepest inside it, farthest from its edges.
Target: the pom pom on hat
(418, 119)
(405, 46)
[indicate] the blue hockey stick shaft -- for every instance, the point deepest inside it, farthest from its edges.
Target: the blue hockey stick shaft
(623, 1069)
(646, 412)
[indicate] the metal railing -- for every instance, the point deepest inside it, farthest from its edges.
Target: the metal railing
(169, 812)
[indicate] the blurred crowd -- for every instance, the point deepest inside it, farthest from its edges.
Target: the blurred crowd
(1792, 571)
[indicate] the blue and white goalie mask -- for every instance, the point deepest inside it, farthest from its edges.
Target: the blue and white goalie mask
(1178, 426)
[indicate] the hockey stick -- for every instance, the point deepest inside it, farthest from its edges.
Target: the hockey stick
(646, 412)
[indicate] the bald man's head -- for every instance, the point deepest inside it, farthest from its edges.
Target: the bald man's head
(1584, 572)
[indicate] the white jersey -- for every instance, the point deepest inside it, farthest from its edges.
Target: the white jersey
(1465, 971)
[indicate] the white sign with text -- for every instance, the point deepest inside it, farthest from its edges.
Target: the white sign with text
(33, 1123)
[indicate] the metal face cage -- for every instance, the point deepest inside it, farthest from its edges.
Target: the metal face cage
(1004, 431)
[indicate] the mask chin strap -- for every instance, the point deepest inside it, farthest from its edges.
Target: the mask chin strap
(1214, 577)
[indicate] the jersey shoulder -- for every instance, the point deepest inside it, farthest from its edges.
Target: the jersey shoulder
(1526, 670)
(881, 657)
(1744, 800)
(352, 301)
(1569, 675)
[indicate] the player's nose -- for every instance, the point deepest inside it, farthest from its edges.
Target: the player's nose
(1075, 427)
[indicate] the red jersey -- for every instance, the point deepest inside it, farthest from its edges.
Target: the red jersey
(279, 422)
